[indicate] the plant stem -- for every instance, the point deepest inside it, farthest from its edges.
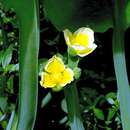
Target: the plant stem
(71, 96)
(120, 63)
(72, 100)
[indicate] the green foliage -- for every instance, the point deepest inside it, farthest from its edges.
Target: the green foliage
(77, 72)
(3, 103)
(46, 100)
(73, 14)
(7, 56)
(12, 124)
(64, 106)
(29, 45)
(120, 61)
(98, 113)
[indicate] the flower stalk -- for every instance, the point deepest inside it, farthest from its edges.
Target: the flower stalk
(72, 100)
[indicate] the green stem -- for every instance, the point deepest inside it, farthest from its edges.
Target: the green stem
(71, 96)
(120, 63)
(72, 100)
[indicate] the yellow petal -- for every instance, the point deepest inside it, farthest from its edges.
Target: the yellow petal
(55, 65)
(80, 39)
(46, 80)
(57, 77)
(68, 77)
(83, 36)
(86, 51)
(68, 36)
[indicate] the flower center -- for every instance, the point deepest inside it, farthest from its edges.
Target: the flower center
(57, 77)
(80, 39)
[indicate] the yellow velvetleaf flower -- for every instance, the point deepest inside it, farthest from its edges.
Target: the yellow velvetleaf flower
(56, 74)
(81, 41)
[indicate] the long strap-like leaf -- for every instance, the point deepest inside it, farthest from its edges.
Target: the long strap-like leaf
(27, 13)
(120, 63)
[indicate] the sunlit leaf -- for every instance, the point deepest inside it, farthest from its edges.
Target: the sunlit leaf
(7, 56)
(98, 113)
(111, 113)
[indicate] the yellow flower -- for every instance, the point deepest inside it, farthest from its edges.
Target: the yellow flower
(56, 75)
(82, 41)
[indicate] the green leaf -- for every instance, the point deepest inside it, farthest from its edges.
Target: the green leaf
(12, 124)
(64, 106)
(98, 113)
(120, 61)
(7, 56)
(63, 120)
(77, 72)
(41, 65)
(10, 84)
(46, 100)
(72, 14)
(27, 14)
(128, 14)
(111, 95)
(3, 103)
(111, 101)
(111, 113)
(11, 68)
(15, 67)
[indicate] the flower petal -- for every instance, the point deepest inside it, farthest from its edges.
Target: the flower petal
(68, 36)
(78, 47)
(55, 65)
(85, 36)
(86, 51)
(80, 39)
(46, 81)
(57, 77)
(84, 30)
(68, 77)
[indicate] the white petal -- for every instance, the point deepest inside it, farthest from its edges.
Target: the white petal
(84, 30)
(78, 47)
(92, 46)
